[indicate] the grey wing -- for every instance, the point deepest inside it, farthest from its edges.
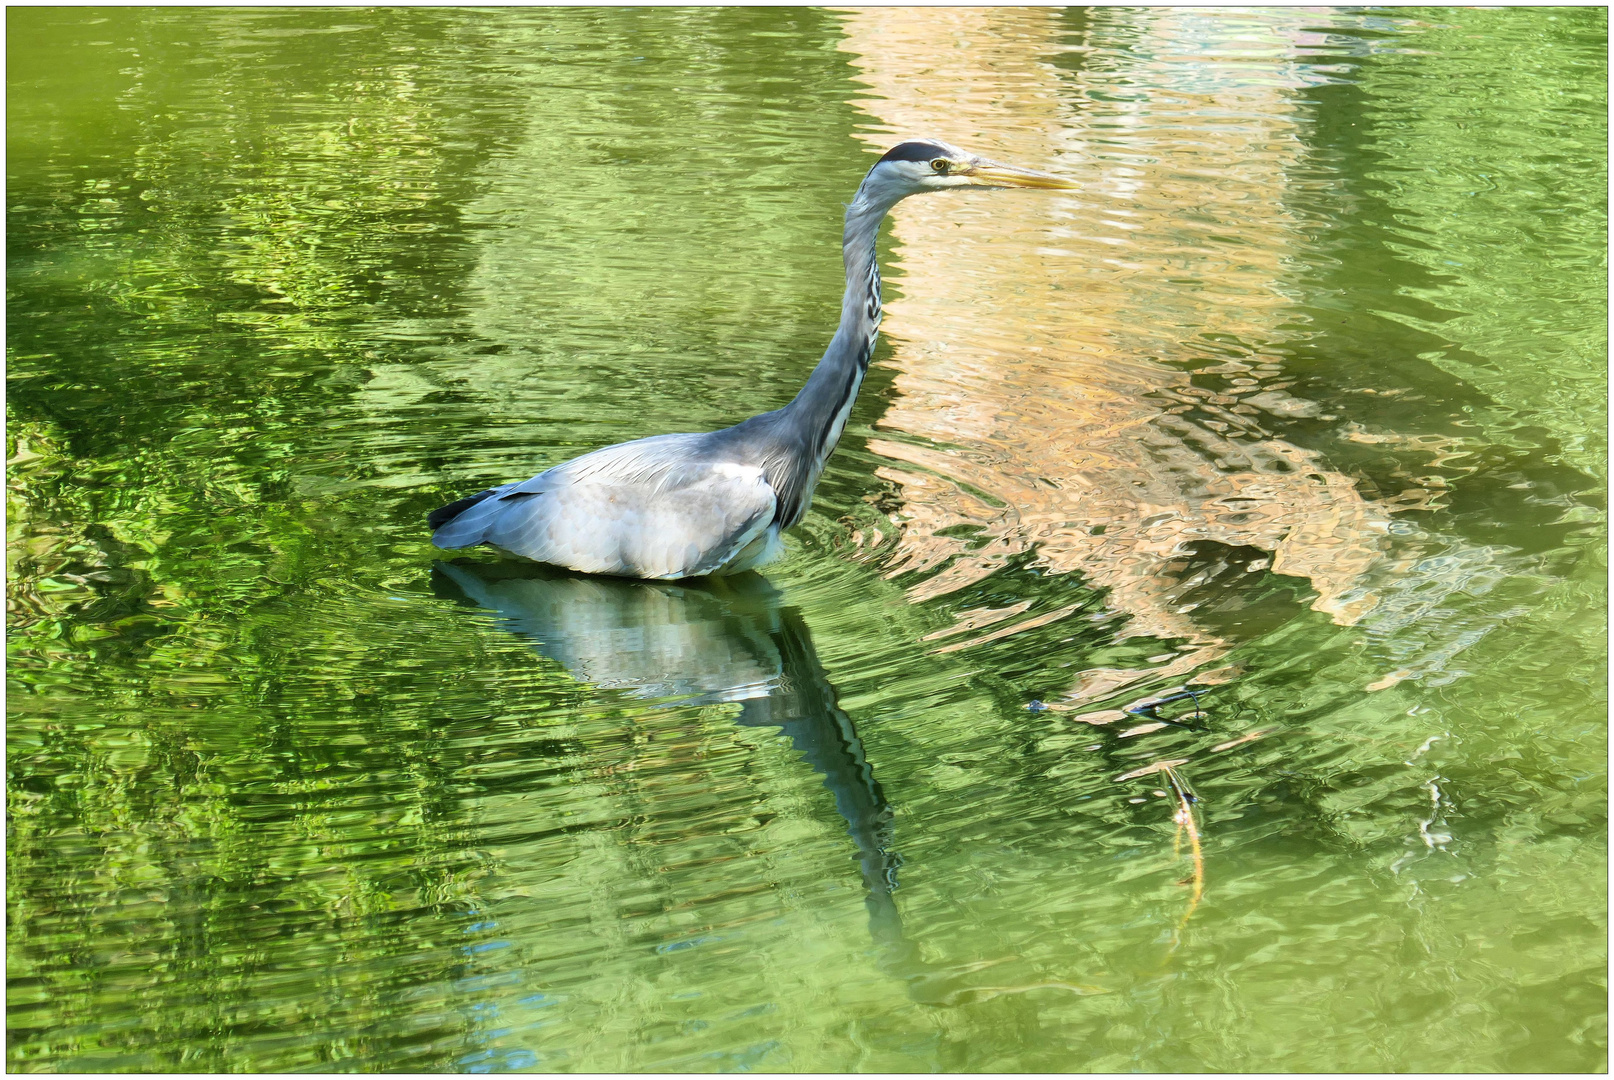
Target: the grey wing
(641, 509)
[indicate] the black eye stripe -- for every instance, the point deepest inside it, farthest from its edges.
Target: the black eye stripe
(914, 151)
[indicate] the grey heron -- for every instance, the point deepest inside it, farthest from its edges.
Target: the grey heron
(692, 505)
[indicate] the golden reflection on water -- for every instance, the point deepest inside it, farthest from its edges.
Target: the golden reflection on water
(1036, 335)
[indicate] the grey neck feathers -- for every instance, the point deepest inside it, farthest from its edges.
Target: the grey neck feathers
(811, 425)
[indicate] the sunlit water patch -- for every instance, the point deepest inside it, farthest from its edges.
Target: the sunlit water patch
(1194, 659)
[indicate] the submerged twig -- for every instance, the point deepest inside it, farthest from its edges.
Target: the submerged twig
(1147, 706)
(1184, 817)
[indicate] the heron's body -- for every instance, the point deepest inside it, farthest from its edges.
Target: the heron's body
(675, 506)
(670, 506)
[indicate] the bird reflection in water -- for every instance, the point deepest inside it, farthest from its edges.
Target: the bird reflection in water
(712, 640)
(702, 642)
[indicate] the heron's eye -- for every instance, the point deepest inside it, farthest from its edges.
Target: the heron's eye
(940, 165)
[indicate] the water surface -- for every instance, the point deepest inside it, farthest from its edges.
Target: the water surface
(1299, 403)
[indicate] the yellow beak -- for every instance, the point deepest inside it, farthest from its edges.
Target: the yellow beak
(993, 174)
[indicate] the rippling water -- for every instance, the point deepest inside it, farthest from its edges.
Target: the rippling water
(1299, 403)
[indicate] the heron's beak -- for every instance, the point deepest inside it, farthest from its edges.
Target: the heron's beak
(993, 174)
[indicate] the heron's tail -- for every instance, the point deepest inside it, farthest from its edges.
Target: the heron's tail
(445, 514)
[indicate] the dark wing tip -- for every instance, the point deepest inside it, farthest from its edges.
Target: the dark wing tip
(444, 514)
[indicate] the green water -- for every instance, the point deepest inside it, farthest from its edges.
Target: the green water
(289, 790)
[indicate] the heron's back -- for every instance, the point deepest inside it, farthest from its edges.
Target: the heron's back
(669, 506)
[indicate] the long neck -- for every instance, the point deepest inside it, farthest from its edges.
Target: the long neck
(815, 419)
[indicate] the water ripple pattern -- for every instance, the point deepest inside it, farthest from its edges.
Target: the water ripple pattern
(1194, 659)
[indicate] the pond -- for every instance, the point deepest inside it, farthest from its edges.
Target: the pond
(1298, 404)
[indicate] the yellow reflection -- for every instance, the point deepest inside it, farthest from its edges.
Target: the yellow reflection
(1035, 333)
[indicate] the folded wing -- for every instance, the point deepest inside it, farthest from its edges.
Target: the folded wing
(653, 508)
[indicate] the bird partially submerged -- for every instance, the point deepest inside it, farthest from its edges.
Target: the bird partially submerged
(676, 506)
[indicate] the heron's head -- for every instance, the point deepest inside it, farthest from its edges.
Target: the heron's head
(932, 165)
